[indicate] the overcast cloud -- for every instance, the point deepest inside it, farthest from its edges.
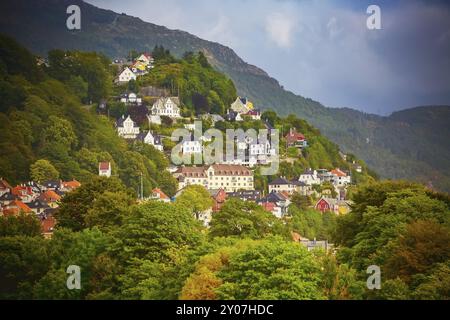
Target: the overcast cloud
(322, 49)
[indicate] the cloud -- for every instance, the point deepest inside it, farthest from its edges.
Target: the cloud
(280, 28)
(323, 49)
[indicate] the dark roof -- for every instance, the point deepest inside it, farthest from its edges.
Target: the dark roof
(8, 197)
(38, 204)
(231, 115)
(280, 181)
(247, 194)
(52, 184)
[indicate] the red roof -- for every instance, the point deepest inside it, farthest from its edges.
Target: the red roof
(294, 136)
(50, 196)
(71, 184)
(338, 172)
(20, 206)
(268, 206)
(104, 165)
(161, 195)
(21, 191)
(48, 224)
(4, 184)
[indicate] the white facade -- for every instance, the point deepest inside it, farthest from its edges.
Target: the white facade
(104, 169)
(309, 178)
(150, 139)
(190, 147)
(131, 98)
(231, 178)
(127, 129)
(126, 75)
(166, 107)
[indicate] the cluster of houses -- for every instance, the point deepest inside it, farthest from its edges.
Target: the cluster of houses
(140, 66)
(39, 199)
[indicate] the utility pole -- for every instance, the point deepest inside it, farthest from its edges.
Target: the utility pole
(142, 187)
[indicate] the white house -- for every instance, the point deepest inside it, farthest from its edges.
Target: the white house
(241, 105)
(151, 139)
(104, 169)
(131, 98)
(127, 128)
(309, 177)
(168, 106)
(126, 75)
(145, 58)
(191, 146)
(340, 178)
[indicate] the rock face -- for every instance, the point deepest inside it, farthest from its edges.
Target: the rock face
(408, 144)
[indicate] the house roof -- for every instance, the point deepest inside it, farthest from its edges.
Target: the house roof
(338, 172)
(230, 170)
(268, 206)
(161, 194)
(246, 194)
(71, 184)
(4, 184)
(294, 136)
(50, 196)
(21, 191)
(20, 205)
(55, 184)
(8, 197)
(192, 171)
(38, 204)
(161, 102)
(121, 120)
(104, 165)
(279, 181)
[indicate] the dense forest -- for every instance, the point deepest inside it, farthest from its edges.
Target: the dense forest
(129, 249)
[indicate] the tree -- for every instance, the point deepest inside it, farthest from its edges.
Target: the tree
(108, 210)
(23, 261)
(196, 199)
(42, 170)
(76, 204)
(154, 229)
(245, 219)
(264, 269)
(20, 225)
(423, 244)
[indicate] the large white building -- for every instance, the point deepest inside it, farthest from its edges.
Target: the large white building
(231, 178)
(168, 106)
(127, 128)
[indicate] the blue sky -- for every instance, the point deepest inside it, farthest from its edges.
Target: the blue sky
(322, 49)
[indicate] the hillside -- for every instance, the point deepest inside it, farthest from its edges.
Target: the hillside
(394, 146)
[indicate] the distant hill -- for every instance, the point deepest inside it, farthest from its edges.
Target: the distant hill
(410, 144)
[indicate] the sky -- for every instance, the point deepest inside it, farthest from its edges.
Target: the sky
(322, 49)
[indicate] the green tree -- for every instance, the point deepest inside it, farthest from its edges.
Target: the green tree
(196, 199)
(245, 219)
(75, 205)
(20, 225)
(42, 170)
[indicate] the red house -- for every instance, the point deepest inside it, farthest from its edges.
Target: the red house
(219, 196)
(295, 139)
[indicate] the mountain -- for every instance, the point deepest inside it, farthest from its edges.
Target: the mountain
(411, 144)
